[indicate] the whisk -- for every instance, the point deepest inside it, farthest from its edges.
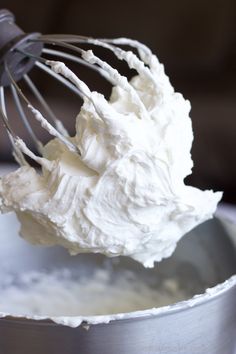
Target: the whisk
(21, 52)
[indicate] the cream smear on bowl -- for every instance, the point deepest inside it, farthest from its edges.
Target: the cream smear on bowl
(125, 194)
(58, 294)
(99, 299)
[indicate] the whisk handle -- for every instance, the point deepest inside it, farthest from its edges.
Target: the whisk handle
(12, 39)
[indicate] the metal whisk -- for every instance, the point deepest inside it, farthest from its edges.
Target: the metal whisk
(20, 52)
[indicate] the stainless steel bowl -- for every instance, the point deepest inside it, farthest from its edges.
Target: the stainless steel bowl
(203, 325)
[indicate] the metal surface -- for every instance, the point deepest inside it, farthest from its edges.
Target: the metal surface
(205, 258)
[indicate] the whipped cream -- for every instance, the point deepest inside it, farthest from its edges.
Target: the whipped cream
(116, 187)
(57, 297)
(58, 293)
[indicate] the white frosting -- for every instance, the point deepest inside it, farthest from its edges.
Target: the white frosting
(125, 194)
(103, 293)
(92, 301)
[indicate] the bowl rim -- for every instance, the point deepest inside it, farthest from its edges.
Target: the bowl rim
(209, 295)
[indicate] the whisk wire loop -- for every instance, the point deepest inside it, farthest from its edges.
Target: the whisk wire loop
(39, 117)
(30, 52)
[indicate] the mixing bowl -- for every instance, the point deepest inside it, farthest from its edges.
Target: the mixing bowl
(203, 324)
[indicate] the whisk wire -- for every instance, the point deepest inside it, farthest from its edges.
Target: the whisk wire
(145, 53)
(45, 105)
(24, 119)
(39, 117)
(74, 59)
(19, 157)
(4, 113)
(60, 78)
